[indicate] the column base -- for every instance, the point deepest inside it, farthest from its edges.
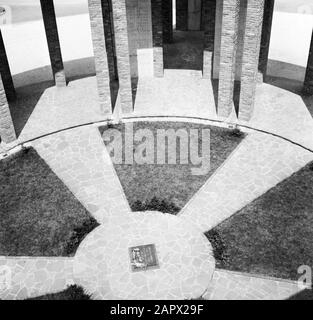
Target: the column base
(60, 80)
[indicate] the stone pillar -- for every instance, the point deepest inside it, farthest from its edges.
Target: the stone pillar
(240, 38)
(308, 82)
(122, 55)
(49, 19)
(239, 35)
(5, 72)
(250, 58)
(133, 35)
(209, 12)
(109, 38)
(7, 132)
(100, 55)
(229, 39)
(157, 37)
(167, 13)
(217, 38)
(266, 36)
(144, 25)
(182, 15)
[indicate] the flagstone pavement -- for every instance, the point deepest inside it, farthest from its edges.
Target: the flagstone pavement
(259, 163)
(61, 108)
(229, 285)
(79, 158)
(186, 263)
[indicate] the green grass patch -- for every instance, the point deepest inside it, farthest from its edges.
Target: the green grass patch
(272, 235)
(306, 294)
(168, 187)
(73, 292)
(39, 216)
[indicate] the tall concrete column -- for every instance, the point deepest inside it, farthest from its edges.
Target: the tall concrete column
(122, 55)
(7, 132)
(240, 38)
(308, 82)
(132, 9)
(5, 72)
(167, 13)
(250, 58)
(109, 38)
(100, 55)
(182, 15)
(49, 19)
(209, 13)
(157, 37)
(229, 39)
(217, 38)
(266, 36)
(144, 25)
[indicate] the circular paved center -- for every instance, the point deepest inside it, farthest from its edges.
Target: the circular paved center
(147, 255)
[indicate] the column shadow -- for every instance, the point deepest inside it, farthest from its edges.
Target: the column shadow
(134, 85)
(306, 294)
(289, 77)
(26, 100)
(30, 86)
(215, 83)
(280, 74)
(236, 94)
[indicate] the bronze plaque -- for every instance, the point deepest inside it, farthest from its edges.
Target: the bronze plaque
(143, 258)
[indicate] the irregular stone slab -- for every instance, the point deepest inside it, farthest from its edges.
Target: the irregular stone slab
(103, 265)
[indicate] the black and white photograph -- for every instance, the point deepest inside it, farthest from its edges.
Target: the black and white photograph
(156, 150)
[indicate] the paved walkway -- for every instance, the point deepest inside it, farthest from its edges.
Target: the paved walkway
(259, 163)
(28, 277)
(102, 262)
(284, 113)
(60, 108)
(79, 158)
(179, 93)
(186, 263)
(184, 93)
(228, 285)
